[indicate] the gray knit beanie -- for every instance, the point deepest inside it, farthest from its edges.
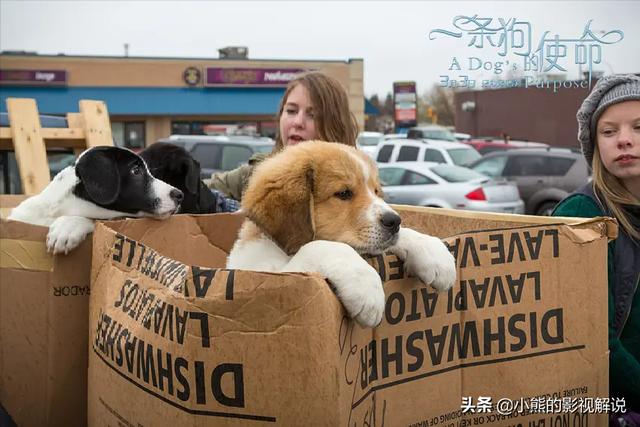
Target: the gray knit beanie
(608, 91)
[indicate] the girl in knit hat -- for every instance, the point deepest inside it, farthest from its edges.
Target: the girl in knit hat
(609, 135)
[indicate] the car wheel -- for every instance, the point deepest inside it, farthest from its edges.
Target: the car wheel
(546, 208)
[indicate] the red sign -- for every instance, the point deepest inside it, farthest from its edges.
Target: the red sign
(406, 115)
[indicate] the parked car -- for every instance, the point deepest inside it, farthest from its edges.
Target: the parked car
(427, 150)
(58, 158)
(431, 132)
(447, 186)
(389, 136)
(544, 176)
(368, 142)
(461, 137)
(220, 153)
(488, 145)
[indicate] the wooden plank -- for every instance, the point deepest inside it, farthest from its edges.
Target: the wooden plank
(53, 138)
(5, 133)
(75, 121)
(97, 127)
(50, 135)
(28, 143)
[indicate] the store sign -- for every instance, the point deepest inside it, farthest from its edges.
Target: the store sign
(405, 105)
(192, 76)
(33, 77)
(251, 76)
(407, 115)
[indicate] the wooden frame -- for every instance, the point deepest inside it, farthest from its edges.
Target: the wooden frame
(88, 128)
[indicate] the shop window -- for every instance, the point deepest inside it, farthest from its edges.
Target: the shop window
(117, 131)
(128, 134)
(180, 128)
(228, 128)
(134, 135)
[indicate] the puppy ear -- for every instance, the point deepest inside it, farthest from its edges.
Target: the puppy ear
(98, 171)
(279, 199)
(192, 175)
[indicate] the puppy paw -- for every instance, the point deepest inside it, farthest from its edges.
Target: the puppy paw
(361, 294)
(67, 232)
(427, 258)
(357, 284)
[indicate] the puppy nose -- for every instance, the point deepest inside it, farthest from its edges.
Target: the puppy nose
(176, 195)
(391, 221)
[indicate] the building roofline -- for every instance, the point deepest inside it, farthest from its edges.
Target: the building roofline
(26, 54)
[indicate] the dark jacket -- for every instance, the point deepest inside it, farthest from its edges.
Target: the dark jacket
(624, 299)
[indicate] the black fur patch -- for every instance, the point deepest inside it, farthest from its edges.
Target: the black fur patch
(115, 178)
(175, 166)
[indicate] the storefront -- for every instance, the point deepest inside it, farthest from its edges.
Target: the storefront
(151, 98)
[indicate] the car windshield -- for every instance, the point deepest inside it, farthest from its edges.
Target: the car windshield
(451, 173)
(463, 156)
(369, 140)
(441, 134)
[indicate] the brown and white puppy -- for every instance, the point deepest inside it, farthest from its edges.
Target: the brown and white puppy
(315, 207)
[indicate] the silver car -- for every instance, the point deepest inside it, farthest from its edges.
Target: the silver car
(220, 153)
(447, 186)
(544, 176)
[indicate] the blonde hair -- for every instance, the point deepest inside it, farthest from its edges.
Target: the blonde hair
(333, 119)
(613, 194)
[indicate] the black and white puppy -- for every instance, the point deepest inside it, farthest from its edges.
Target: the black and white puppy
(175, 166)
(104, 183)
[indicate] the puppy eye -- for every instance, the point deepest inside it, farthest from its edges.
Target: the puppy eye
(136, 170)
(344, 195)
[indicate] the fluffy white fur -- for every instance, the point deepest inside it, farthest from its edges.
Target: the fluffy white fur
(357, 284)
(69, 218)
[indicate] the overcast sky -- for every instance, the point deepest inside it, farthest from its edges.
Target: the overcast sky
(391, 36)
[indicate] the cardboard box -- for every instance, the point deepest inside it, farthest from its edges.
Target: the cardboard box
(44, 302)
(175, 339)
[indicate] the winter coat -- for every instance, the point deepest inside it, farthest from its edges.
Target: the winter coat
(623, 261)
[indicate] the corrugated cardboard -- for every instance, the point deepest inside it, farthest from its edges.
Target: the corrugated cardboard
(175, 339)
(8, 202)
(44, 302)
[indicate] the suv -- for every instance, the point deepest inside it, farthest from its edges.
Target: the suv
(544, 176)
(220, 153)
(368, 142)
(488, 145)
(425, 150)
(431, 132)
